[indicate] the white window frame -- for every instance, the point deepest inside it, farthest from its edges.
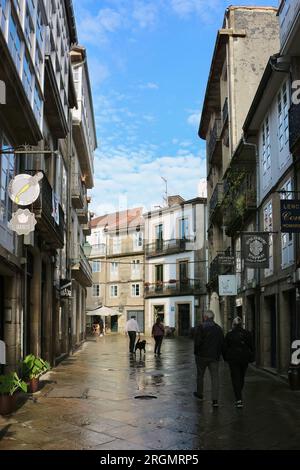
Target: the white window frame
(114, 291)
(96, 290)
(268, 227)
(138, 240)
(136, 267)
(266, 150)
(183, 226)
(287, 239)
(117, 245)
(96, 266)
(135, 290)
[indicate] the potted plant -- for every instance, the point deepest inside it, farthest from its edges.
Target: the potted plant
(32, 368)
(10, 384)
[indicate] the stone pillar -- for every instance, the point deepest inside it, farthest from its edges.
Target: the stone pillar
(35, 314)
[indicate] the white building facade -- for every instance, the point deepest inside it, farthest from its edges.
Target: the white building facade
(176, 264)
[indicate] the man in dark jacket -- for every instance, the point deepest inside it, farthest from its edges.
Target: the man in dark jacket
(238, 351)
(208, 346)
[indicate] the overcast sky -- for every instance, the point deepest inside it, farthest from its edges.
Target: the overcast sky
(149, 63)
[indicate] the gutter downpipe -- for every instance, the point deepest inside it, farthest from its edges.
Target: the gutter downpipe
(257, 271)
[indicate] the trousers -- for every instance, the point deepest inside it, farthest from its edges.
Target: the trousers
(213, 366)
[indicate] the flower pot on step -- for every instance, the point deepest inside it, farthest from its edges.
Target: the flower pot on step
(34, 385)
(8, 404)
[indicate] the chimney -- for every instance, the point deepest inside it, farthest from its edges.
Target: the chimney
(174, 200)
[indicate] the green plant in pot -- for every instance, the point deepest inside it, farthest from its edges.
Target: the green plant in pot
(10, 384)
(32, 368)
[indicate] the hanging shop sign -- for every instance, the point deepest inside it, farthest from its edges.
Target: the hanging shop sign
(255, 250)
(23, 222)
(290, 215)
(226, 260)
(65, 288)
(227, 285)
(24, 189)
(2, 353)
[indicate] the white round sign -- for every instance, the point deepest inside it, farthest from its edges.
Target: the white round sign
(24, 189)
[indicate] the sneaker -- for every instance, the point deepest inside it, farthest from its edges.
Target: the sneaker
(200, 397)
(239, 404)
(215, 403)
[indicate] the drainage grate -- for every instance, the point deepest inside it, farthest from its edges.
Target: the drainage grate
(145, 397)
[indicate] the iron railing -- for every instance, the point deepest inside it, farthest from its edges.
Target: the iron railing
(216, 199)
(173, 287)
(160, 247)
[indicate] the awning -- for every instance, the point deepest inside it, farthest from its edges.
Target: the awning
(103, 312)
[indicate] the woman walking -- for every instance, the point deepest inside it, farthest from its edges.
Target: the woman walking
(158, 331)
(238, 352)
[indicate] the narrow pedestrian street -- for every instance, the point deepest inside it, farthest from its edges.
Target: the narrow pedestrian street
(89, 402)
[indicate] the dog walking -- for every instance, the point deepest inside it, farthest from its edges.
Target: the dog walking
(158, 331)
(132, 328)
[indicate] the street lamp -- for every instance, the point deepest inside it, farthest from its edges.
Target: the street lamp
(87, 249)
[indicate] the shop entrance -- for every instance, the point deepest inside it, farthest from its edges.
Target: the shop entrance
(184, 324)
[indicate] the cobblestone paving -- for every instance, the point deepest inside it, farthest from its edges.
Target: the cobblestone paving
(88, 402)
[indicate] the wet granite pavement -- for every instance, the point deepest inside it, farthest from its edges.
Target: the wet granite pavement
(88, 402)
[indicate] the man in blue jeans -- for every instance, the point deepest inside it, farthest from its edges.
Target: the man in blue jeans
(209, 339)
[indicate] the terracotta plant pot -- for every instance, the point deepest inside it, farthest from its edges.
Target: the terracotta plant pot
(8, 404)
(34, 385)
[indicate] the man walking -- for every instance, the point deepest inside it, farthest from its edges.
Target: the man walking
(132, 328)
(208, 345)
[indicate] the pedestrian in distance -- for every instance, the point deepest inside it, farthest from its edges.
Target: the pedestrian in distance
(158, 331)
(208, 344)
(238, 351)
(132, 328)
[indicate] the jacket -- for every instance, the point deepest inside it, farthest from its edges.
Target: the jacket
(158, 330)
(208, 340)
(238, 346)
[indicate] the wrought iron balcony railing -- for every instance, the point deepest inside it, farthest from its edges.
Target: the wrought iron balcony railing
(161, 247)
(49, 215)
(225, 111)
(173, 287)
(214, 143)
(78, 191)
(216, 199)
(81, 268)
(240, 204)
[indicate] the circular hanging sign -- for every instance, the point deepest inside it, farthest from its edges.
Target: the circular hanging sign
(24, 189)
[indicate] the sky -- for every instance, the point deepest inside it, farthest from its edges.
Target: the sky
(149, 61)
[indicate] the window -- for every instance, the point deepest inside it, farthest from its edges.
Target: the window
(39, 30)
(183, 229)
(117, 245)
(37, 105)
(266, 150)
(7, 167)
(114, 268)
(14, 43)
(28, 30)
(96, 290)
(3, 8)
(138, 240)
(96, 266)
(283, 115)
(268, 227)
(135, 268)
(114, 291)
(27, 78)
(38, 64)
(287, 239)
(135, 290)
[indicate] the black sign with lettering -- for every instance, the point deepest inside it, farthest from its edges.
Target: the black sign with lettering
(255, 250)
(290, 215)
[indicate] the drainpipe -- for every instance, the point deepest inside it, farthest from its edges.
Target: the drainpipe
(257, 271)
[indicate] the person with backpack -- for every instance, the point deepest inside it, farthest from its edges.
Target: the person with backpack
(238, 351)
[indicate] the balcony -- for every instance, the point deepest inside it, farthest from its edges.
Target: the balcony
(214, 146)
(83, 215)
(98, 250)
(216, 201)
(239, 205)
(82, 142)
(225, 112)
(87, 229)
(78, 192)
(81, 269)
(168, 247)
(294, 126)
(289, 14)
(51, 228)
(223, 263)
(174, 288)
